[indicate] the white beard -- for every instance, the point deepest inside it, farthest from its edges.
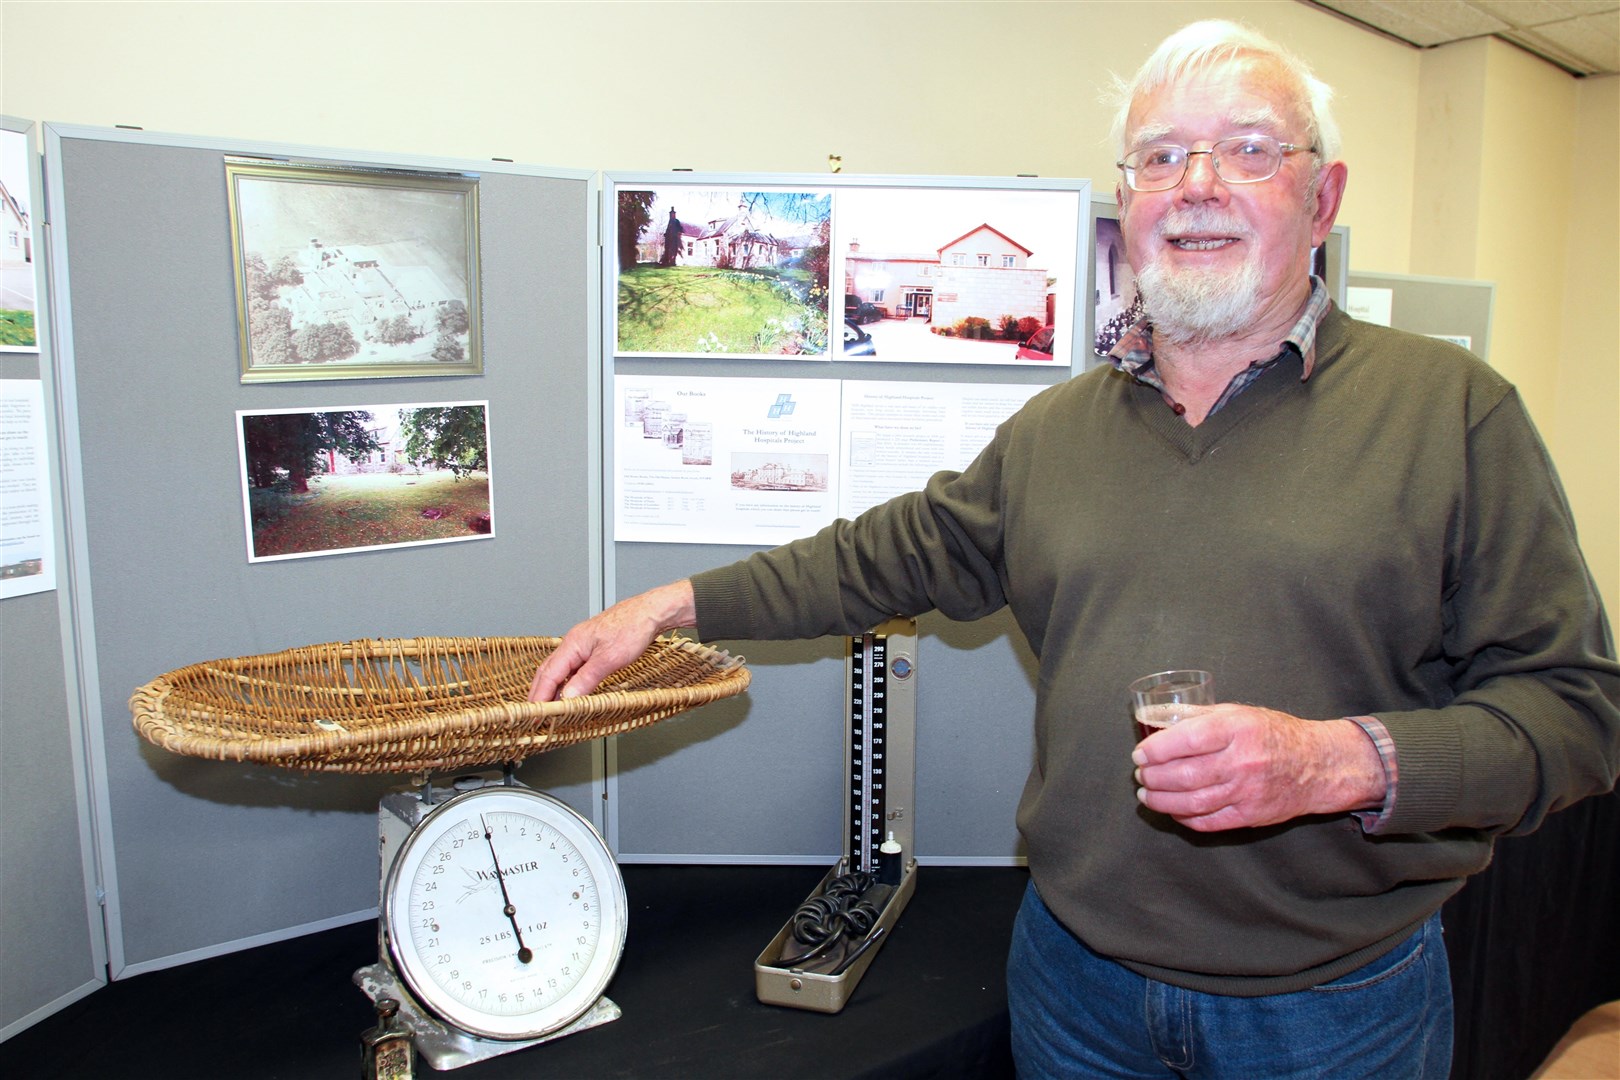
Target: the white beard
(1187, 305)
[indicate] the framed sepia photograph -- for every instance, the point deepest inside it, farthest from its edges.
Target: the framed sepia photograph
(349, 273)
(338, 480)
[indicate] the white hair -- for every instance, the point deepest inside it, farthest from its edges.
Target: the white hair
(1202, 45)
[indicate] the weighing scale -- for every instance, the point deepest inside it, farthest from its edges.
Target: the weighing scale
(502, 914)
(502, 918)
(879, 830)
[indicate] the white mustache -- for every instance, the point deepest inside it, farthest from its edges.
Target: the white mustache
(1201, 219)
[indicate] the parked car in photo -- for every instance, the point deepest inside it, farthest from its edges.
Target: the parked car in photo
(857, 342)
(860, 312)
(1038, 346)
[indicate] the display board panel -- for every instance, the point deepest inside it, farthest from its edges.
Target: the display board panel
(51, 936)
(202, 856)
(1455, 309)
(761, 778)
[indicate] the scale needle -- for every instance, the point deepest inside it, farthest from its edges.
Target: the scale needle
(525, 954)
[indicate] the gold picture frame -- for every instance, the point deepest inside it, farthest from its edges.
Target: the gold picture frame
(345, 272)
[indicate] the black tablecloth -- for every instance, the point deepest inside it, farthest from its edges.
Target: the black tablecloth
(933, 1003)
(1534, 943)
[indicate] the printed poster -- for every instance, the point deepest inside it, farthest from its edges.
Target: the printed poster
(27, 540)
(723, 461)
(898, 434)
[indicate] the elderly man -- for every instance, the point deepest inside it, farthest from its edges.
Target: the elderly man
(1357, 530)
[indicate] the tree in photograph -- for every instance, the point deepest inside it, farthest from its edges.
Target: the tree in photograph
(446, 437)
(396, 331)
(800, 215)
(801, 207)
(271, 334)
(447, 349)
(635, 214)
(295, 442)
(672, 240)
(287, 272)
(453, 318)
(325, 341)
(817, 263)
(259, 282)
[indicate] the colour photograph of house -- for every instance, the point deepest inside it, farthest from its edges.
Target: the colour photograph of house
(983, 273)
(956, 275)
(16, 246)
(705, 270)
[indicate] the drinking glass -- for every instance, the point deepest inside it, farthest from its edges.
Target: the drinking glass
(1168, 697)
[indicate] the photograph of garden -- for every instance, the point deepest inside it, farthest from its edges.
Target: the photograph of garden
(16, 247)
(957, 275)
(354, 276)
(713, 270)
(337, 480)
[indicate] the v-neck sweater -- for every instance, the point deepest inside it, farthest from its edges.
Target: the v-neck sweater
(1386, 538)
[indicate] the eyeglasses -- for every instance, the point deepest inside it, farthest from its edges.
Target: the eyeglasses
(1241, 159)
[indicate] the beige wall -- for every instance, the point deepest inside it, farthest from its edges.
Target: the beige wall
(972, 88)
(1585, 437)
(979, 88)
(1517, 168)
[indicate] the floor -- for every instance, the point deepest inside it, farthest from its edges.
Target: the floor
(1591, 1050)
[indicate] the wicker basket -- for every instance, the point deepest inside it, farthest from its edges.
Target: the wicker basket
(410, 704)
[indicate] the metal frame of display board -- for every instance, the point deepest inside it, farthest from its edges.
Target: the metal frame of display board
(55, 941)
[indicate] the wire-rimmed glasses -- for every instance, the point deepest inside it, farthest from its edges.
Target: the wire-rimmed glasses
(1240, 159)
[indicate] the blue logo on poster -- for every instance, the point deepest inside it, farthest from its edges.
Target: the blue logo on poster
(783, 407)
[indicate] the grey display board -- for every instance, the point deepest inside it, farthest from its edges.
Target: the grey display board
(201, 856)
(51, 945)
(762, 778)
(1452, 308)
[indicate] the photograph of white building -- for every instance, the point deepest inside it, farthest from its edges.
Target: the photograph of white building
(16, 246)
(956, 275)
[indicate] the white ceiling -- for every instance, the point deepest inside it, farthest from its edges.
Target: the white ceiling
(1580, 36)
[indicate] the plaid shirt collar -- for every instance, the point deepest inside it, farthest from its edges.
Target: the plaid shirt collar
(1134, 353)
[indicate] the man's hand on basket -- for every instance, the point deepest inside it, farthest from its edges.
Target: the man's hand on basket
(604, 643)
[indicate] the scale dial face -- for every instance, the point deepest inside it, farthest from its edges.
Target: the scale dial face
(505, 913)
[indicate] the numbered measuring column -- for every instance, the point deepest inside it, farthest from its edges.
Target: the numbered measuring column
(880, 744)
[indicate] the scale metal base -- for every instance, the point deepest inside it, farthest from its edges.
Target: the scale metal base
(446, 1048)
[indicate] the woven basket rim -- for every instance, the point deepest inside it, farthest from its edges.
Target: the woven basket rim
(376, 705)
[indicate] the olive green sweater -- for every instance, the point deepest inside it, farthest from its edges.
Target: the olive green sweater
(1386, 538)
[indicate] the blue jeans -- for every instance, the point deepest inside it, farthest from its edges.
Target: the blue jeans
(1077, 1014)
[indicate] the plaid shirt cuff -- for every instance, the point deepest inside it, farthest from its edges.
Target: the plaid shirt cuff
(1373, 821)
